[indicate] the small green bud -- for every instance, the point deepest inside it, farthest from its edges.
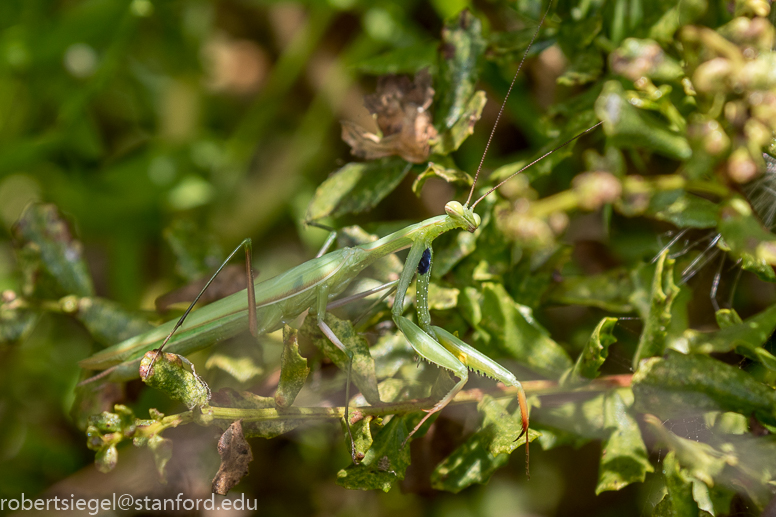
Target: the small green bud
(595, 189)
(713, 76)
(741, 168)
(106, 459)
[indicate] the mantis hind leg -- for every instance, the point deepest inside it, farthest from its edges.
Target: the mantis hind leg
(253, 325)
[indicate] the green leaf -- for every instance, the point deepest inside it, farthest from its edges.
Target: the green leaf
(16, 323)
(679, 485)
(682, 384)
(747, 238)
(363, 364)
(470, 463)
(501, 428)
(594, 354)
(585, 68)
(636, 58)
(175, 375)
(511, 329)
(105, 320)
(356, 187)
(402, 60)
(459, 247)
(573, 423)
(450, 140)
(628, 126)
(197, 253)
(530, 280)
(162, 451)
(48, 249)
(243, 369)
(653, 338)
(749, 336)
(462, 45)
(700, 459)
(481, 454)
(609, 291)
(624, 458)
(386, 461)
(293, 369)
(682, 209)
(441, 298)
(681, 14)
(362, 434)
(435, 170)
(391, 352)
(229, 398)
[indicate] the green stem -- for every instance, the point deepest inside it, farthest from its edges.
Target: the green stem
(209, 414)
(569, 199)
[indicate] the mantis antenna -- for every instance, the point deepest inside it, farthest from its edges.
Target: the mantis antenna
(542, 157)
(504, 103)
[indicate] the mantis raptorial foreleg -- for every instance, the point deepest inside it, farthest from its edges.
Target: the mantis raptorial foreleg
(440, 347)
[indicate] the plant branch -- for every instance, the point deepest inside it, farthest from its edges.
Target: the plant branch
(211, 413)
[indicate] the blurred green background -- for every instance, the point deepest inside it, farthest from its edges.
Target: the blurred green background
(221, 118)
(132, 115)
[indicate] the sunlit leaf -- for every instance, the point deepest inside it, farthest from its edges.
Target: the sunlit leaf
(513, 330)
(653, 338)
(462, 46)
(595, 352)
(386, 461)
(438, 171)
(293, 369)
(356, 187)
(628, 126)
(610, 291)
(175, 375)
(451, 140)
(683, 210)
(749, 336)
(624, 457)
(48, 248)
(107, 321)
(363, 364)
(683, 383)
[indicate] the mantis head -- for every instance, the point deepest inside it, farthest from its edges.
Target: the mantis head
(462, 215)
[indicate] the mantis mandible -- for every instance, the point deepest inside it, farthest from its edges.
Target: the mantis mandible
(313, 284)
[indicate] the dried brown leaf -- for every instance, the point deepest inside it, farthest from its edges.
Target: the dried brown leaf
(400, 107)
(235, 456)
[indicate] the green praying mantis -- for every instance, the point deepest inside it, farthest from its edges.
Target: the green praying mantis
(313, 285)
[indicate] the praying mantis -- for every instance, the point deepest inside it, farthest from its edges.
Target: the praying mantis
(312, 285)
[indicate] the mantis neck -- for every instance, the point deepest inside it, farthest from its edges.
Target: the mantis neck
(428, 230)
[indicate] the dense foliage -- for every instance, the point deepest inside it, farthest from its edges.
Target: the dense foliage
(626, 279)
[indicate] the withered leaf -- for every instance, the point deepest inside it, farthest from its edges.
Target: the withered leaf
(235, 456)
(400, 107)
